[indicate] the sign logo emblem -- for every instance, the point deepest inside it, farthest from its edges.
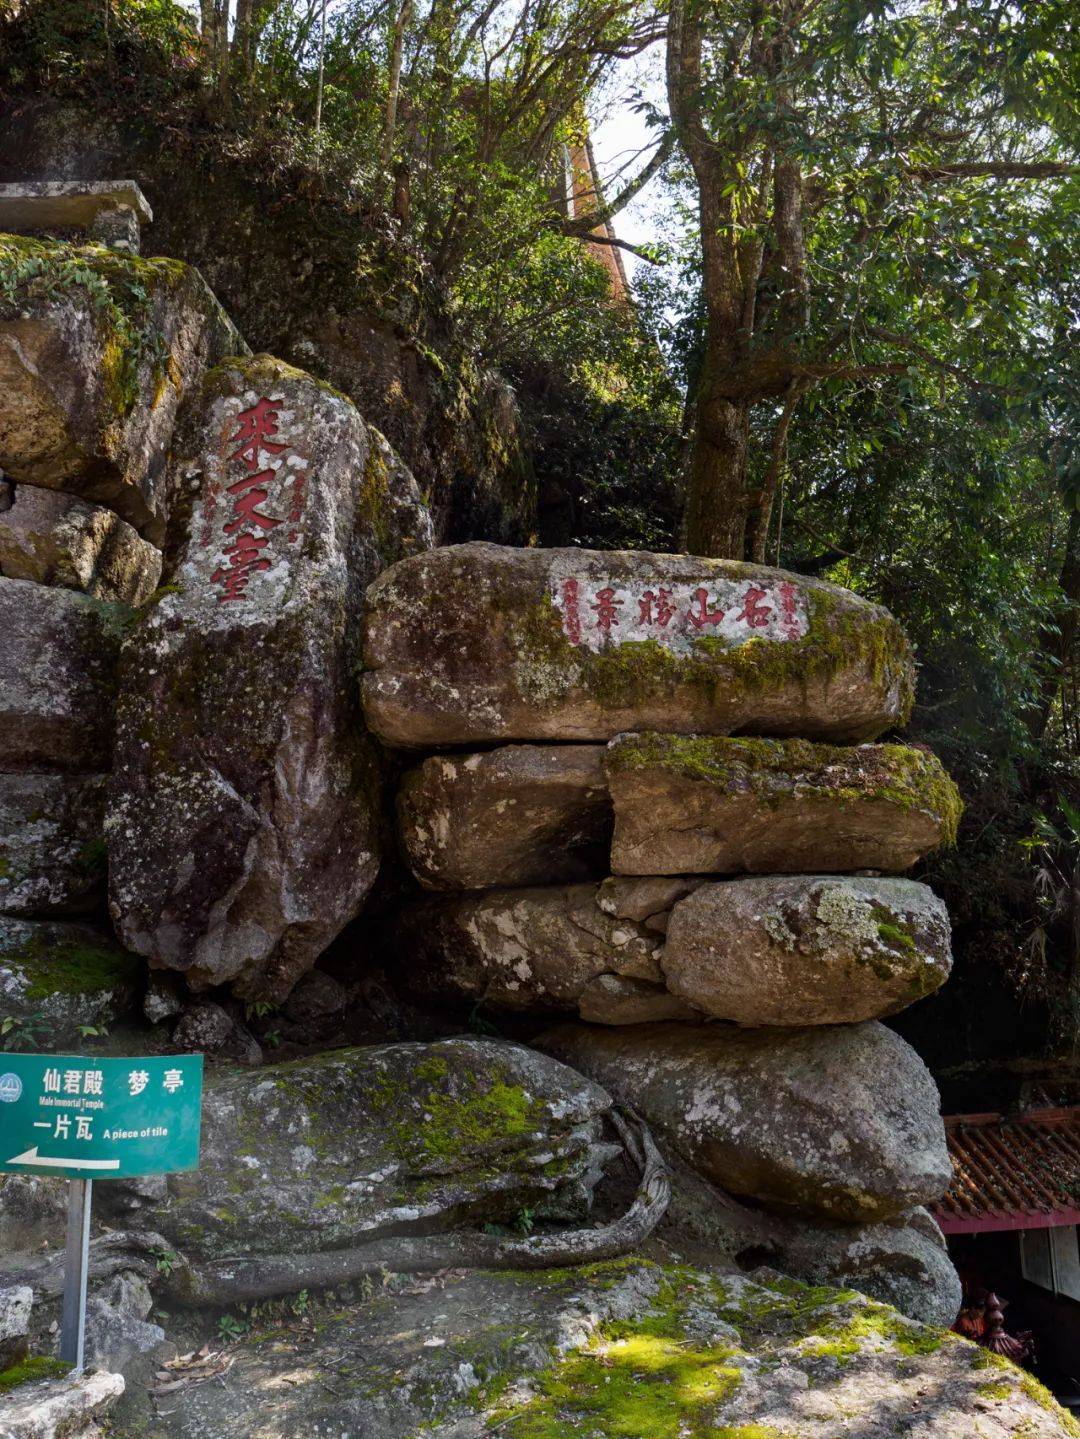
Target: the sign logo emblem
(10, 1088)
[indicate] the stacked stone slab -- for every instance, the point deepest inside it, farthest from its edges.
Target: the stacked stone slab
(688, 840)
(97, 350)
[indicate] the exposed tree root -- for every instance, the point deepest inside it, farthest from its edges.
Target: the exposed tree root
(261, 1277)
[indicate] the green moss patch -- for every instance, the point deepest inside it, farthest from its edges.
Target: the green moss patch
(32, 1371)
(775, 770)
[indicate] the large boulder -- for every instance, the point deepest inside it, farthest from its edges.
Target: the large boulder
(97, 349)
(482, 643)
(58, 978)
(841, 1123)
(523, 814)
(57, 677)
(807, 949)
(701, 804)
(629, 1349)
(52, 856)
(329, 1151)
(55, 539)
(528, 950)
(243, 827)
(904, 1263)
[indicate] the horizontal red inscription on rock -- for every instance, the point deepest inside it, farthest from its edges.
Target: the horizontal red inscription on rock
(249, 501)
(599, 613)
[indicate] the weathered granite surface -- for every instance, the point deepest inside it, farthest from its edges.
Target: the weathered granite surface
(57, 677)
(55, 539)
(97, 349)
(352, 1144)
(625, 1350)
(522, 814)
(243, 827)
(807, 949)
(700, 804)
(839, 1122)
(52, 856)
(479, 642)
(538, 949)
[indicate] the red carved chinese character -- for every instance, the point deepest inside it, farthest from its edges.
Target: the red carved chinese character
(255, 427)
(607, 609)
(248, 493)
(753, 611)
(571, 611)
(789, 612)
(702, 615)
(665, 610)
(243, 555)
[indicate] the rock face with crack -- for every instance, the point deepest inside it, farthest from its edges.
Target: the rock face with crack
(519, 815)
(807, 949)
(842, 1123)
(532, 950)
(52, 856)
(479, 642)
(54, 539)
(700, 804)
(348, 1145)
(57, 677)
(243, 823)
(93, 369)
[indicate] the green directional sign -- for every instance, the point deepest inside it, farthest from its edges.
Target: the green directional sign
(99, 1118)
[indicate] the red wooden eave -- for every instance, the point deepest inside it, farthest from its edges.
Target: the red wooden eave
(1015, 1172)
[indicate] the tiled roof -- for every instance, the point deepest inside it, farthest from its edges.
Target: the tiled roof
(1019, 1172)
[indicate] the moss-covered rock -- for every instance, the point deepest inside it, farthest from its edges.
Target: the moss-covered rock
(243, 828)
(839, 1122)
(701, 804)
(57, 978)
(98, 350)
(333, 1150)
(807, 949)
(625, 1350)
(480, 643)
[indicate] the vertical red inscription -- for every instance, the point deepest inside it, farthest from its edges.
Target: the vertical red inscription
(254, 437)
(789, 613)
(571, 609)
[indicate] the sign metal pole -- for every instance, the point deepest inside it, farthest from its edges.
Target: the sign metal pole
(76, 1263)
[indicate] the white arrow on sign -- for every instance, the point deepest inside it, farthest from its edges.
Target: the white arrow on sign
(33, 1157)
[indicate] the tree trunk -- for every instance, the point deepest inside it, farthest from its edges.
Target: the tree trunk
(715, 522)
(1057, 643)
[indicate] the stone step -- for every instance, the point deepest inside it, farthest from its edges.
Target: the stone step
(57, 677)
(52, 854)
(484, 643)
(53, 538)
(700, 804)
